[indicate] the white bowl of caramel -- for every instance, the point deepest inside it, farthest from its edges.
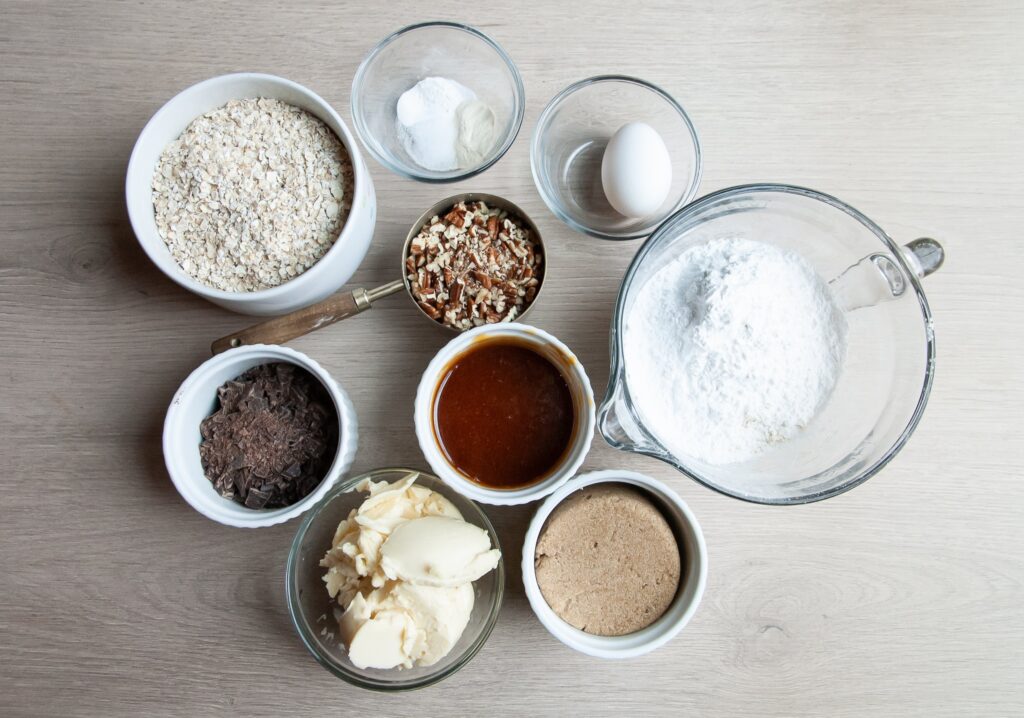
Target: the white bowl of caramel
(505, 413)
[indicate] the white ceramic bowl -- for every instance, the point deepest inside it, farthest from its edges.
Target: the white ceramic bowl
(583, 398)
(691, 586)
(196, 399)
(316, 283)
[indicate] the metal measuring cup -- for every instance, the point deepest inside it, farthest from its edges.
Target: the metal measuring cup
(348, 304)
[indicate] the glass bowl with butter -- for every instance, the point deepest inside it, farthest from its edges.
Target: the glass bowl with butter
(394, 580)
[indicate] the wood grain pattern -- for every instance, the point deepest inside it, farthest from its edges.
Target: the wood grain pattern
(901, 598)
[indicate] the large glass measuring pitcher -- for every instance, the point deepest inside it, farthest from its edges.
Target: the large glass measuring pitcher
(884, 384)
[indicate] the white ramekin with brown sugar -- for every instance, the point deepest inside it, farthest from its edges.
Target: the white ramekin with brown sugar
(693, 578)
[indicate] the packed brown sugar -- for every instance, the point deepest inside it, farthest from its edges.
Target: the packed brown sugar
(607, 561)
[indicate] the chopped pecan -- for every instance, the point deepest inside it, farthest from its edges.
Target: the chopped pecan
(431, 311)
(473, 265)
(456, 217)
(483, 278)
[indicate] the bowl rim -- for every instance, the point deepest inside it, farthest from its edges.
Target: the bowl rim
(295, 612)
(616, 381)
(188, 483)
(424, 423)
(535, 154)
(657, 634)
(409, 172)
(170, 267)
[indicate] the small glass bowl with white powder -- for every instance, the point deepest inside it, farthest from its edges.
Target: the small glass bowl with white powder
(437, 102)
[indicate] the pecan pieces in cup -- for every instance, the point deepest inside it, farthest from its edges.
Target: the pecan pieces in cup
(475, 265)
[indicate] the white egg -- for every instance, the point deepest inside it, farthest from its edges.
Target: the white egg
(636, 171)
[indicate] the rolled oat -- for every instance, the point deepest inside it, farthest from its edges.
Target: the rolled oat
(252, 194)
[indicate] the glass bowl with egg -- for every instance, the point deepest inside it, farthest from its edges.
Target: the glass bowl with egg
(437, 102)
(325, 627)
(613, 156)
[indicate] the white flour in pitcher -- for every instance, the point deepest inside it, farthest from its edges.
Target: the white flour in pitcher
(733, 346)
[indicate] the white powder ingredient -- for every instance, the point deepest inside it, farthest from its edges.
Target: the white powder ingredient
(476, 133)
(732, 347)
(443, 126)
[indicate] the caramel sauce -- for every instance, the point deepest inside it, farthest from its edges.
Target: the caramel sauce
(504, 415)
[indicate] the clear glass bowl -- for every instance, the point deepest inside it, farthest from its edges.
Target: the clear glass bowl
(568, 146)
(434, 49)
(888, 373)
(312, 609)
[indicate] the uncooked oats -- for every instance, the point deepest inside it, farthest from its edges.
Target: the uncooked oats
(252, 194)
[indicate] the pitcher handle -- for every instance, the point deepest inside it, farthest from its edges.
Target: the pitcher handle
(877, 278)
(924, 255)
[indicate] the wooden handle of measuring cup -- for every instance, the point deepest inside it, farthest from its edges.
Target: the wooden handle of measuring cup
(308, 319)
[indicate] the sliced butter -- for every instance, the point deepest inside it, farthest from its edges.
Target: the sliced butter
(437, 551)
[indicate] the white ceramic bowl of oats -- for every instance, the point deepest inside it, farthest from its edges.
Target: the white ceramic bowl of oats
(251, 205)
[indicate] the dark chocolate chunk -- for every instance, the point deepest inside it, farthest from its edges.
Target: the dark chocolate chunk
(272, 438)
(257, 499)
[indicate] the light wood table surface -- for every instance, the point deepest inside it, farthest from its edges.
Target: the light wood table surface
(901, 598)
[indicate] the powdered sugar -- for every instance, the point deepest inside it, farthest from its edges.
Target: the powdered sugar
(443, 125)
(733, 346)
